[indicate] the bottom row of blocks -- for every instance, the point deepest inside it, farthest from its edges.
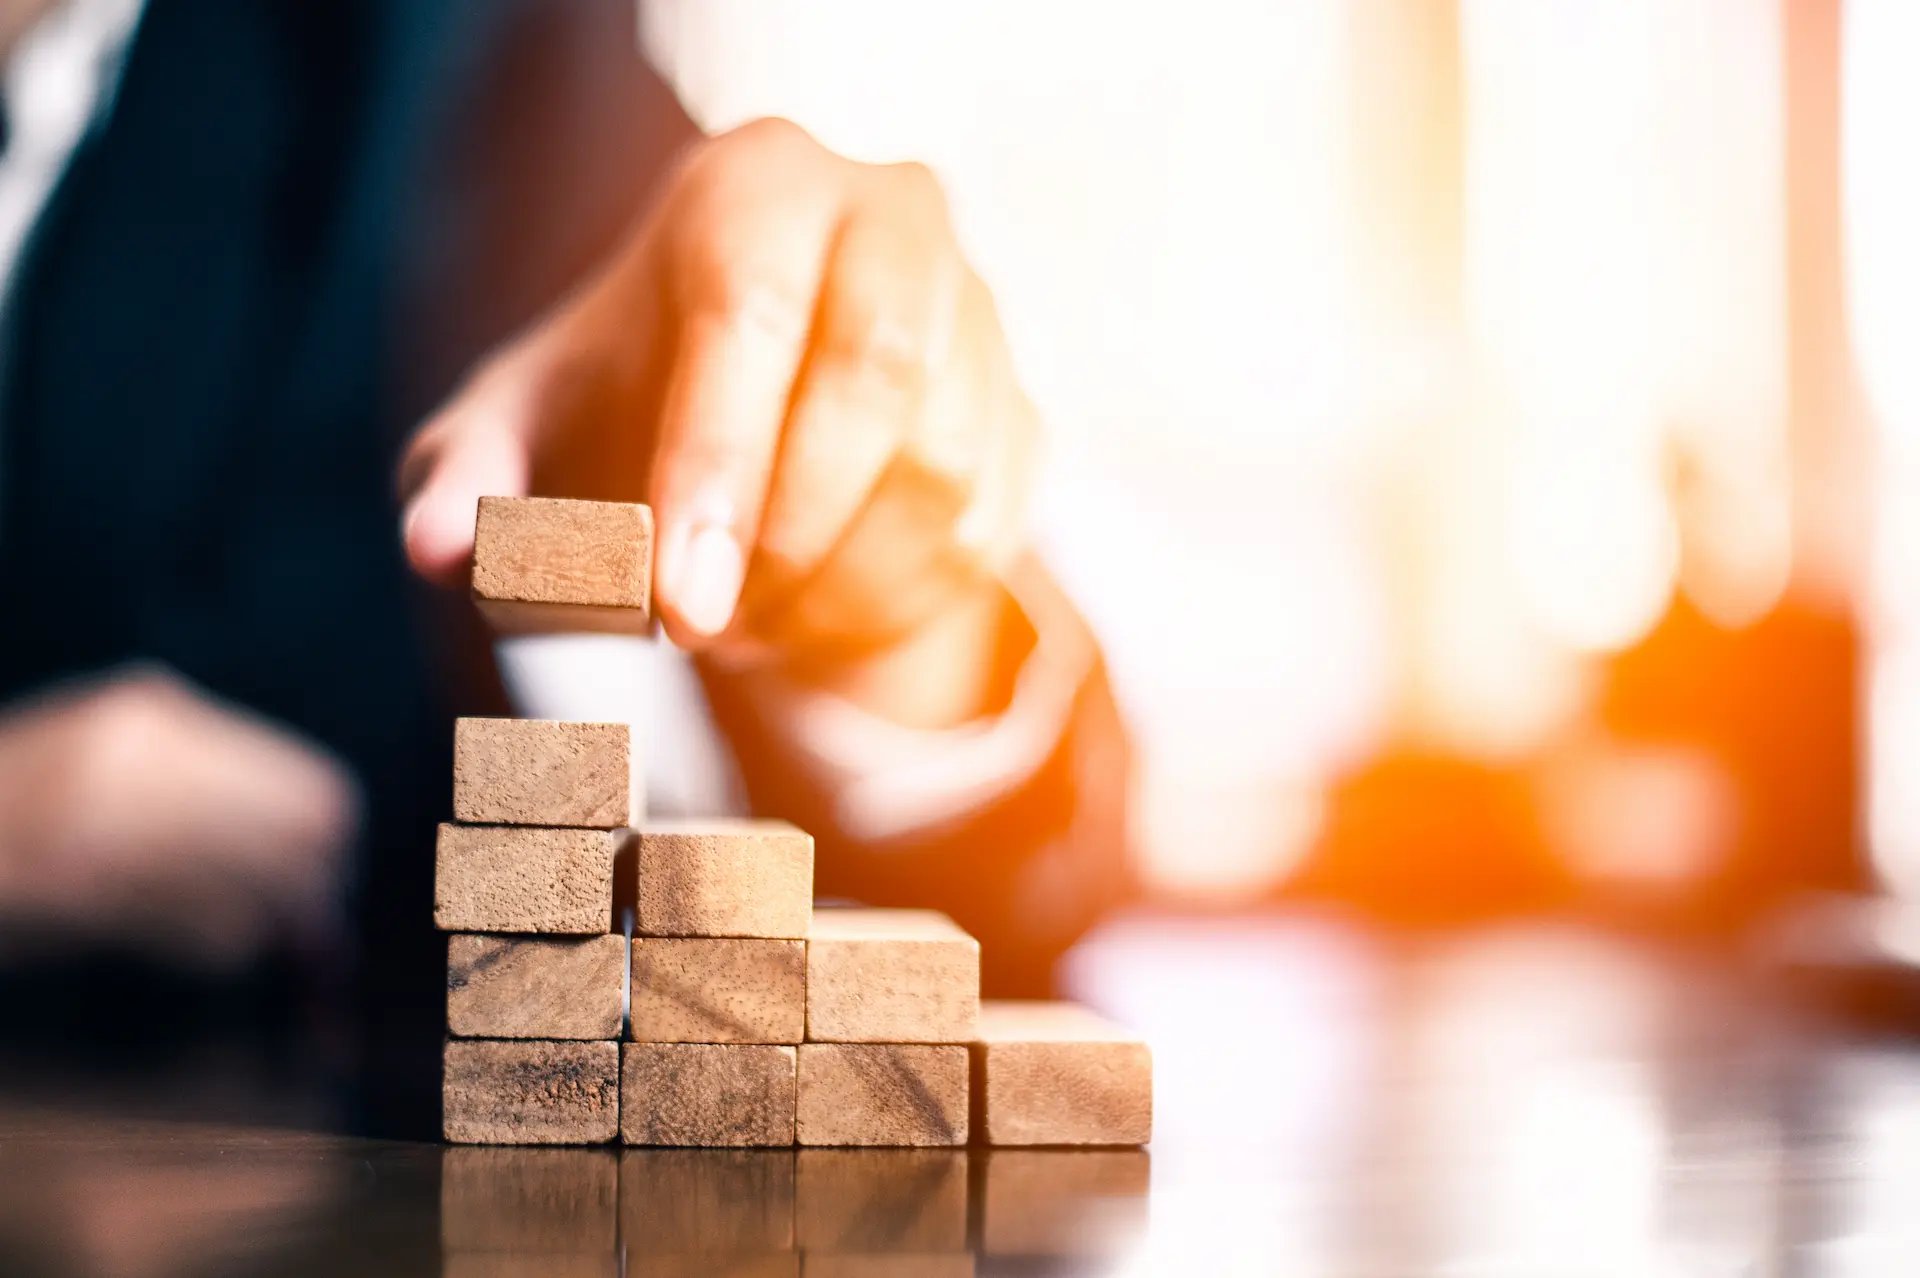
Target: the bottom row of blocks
(732, 1094)
(1038, 1074)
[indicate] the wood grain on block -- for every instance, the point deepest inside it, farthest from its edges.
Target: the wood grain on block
(882, 1094)
(707, 1094)
(686, 1201)
(724, 878)
(1059, 1074)
(1063, 1202)
(530, 1093)
(881, 1200)
(891, 976)
(768, 1264)
(506, 878)
(542, 563)
(827, 1264)
(528, 1200)
(525, 987)
(543, 772)
(718, 990)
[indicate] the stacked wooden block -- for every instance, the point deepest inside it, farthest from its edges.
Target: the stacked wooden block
(749, 1017)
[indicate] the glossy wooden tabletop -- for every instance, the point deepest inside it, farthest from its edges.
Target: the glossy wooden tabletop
(1531, 1100)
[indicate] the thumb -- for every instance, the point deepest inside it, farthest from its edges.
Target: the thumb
(478, 445)
(557, 389)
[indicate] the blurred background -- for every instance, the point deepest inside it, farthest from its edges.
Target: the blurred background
(1483, 434)
(1478, 427)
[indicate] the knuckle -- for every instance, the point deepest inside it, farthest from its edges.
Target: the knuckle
(919, 184)
(770, 131)
(790, 547)
(762, 159)
(703, 458)
(878, 352)
(869, 335)
(136, 707)
(750, 297)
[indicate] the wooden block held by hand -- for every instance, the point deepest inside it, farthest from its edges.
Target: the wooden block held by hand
(505, 878)
(891, 976)
(724, 878)
(718, 990)
(545, 564)
(543, 772)
(526, 987)
(882, 1094)
(530, 1092)
(706, 1094)
(1059, 1074)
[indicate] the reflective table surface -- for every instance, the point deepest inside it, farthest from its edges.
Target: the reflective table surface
(1528, 1100)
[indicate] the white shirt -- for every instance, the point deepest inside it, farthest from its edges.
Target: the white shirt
(58, 79)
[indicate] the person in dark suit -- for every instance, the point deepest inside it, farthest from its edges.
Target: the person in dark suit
(285, 233)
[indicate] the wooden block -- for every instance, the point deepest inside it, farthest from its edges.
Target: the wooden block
(685, 1201)
(882, 1094)
(543, 772)
(724, 878)
(1063, 1202)
(826, 1264)
(718, 990)
(707, 1094)
(891, 976)
(530, 1093)
(903, 1201)
(769, 1264)
(543, 564)
(1059, 1074)
(551, 1201)
(505, 878)
(519, 987)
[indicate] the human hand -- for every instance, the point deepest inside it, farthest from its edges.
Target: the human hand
(791, 360)
(137, 811)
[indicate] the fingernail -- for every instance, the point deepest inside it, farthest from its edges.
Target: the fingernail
(704, 582)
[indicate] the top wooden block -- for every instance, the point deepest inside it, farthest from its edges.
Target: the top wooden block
(543, 563)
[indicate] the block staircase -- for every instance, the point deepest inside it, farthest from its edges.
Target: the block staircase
(672, 984)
